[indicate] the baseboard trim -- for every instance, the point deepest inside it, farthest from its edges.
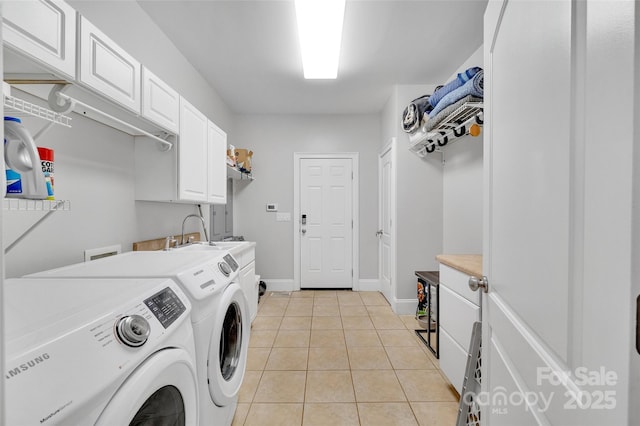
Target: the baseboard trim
(369, 284)
(405, 306)
(280, 285)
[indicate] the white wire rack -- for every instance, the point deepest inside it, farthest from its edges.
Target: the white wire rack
(21, 204)
(457, 124)
(18, 107)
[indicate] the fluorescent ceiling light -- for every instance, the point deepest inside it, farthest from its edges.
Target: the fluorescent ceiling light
(320, 32)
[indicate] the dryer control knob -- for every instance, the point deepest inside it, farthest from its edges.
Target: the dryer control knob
(133, 330)
(224, 268)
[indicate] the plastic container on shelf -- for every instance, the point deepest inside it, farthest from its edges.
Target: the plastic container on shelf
(21, 157)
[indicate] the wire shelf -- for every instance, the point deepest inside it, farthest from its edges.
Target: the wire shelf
(18, 107)
(454, 126)
(20, 204)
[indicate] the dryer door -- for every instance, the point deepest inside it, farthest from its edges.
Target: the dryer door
(229, 346)
(161, 391)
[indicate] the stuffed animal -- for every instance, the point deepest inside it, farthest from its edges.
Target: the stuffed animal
(243, 160)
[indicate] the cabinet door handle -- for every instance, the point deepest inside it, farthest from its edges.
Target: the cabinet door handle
(476, 283)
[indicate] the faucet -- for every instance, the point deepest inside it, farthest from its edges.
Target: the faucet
(204, 227)
(168, 241)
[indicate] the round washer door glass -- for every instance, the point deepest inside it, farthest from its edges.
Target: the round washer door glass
(165, 384)
(230, 341)
(165, 407)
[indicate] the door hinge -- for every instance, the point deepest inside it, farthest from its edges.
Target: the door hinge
(352, 273)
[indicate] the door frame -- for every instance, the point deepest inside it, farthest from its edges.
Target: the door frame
(355, 211)
(391, 148)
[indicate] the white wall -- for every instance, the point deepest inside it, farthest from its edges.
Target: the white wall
(94, 163)
(462, 187)
(439, 207)
(418, 197)
(462, 197)
(274, 139)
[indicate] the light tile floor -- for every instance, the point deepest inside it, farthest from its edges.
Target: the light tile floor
(340, 358)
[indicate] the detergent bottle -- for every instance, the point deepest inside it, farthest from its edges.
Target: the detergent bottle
(21, 156)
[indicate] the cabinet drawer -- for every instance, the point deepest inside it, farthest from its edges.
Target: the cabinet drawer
(458, 282)
(457, 315)
(106, 68)
(43, 30)
(453, 360)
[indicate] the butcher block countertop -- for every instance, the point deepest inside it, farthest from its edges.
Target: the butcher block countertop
(470, 264)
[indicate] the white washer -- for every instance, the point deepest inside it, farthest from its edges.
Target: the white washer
(98, 352)
(220, 317)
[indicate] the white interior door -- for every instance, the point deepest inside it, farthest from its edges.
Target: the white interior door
(326, 223)
(556, 319)
(386, 196)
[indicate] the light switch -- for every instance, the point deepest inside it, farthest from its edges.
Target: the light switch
(272, 207)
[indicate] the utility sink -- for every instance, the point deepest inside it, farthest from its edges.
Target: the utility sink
(233, 246)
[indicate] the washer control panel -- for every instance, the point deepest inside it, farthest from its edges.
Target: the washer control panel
(166, 306)
(231, 261)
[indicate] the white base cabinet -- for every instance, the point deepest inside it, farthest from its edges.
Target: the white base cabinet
(459, 309)
(245, 254)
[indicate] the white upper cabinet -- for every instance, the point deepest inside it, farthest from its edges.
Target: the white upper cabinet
(217, 166)
(192, 153)
(193, 171)
(44, 31)
(106, 68)
(160, 103)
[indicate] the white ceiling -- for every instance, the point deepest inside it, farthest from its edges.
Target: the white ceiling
(248, 50)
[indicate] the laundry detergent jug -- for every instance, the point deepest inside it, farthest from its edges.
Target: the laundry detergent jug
(24, 169)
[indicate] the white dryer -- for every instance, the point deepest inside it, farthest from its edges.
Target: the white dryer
(220, 316)
(99, 352)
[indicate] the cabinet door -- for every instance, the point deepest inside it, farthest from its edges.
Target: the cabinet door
(217, 167)
(44, 31)
(248, 285)
(192, 154)
(107, 68)
(160, 103)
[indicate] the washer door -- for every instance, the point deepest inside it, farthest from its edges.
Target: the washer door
(161, 391)
(229, 345)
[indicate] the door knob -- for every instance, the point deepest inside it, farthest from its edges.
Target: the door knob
(304, 231)
(379, 233)
(476, 283)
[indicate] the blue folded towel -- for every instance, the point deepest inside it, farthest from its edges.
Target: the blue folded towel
(473, 87)
(461, 79)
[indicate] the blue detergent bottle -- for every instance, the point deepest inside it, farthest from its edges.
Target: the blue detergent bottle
(24, 171)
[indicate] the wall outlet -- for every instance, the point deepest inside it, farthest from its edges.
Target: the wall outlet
(283, 217)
